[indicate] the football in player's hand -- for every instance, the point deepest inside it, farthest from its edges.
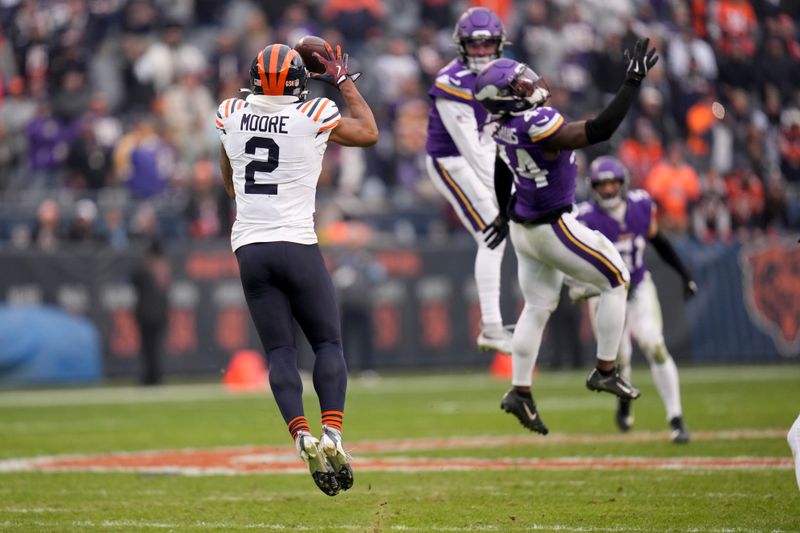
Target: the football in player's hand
(306, 47)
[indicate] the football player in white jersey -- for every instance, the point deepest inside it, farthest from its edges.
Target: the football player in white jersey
(460, 159)
(271, 156)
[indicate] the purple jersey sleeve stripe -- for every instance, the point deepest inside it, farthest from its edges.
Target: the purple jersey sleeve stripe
(459, 93)
(467, 208)
(597, 259)
(549, 131)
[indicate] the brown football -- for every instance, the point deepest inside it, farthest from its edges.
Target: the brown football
(306, 47)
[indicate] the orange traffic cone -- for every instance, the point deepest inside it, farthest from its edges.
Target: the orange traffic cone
(246, 372)
(501, 366)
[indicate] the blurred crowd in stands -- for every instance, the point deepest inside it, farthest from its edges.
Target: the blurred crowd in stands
(107, 132)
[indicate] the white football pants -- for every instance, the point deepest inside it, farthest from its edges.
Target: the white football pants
(545, 253)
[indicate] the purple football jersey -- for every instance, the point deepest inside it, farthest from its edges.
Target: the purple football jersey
(542, 185)
(454, 82)
(630, 235)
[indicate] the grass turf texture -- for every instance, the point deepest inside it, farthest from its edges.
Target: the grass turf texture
(407, 407)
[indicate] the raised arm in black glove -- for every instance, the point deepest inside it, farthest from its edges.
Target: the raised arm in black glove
(639, 62)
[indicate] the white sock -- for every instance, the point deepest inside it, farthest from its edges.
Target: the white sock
(610, 322)
(525, 344)
(487, 280)
(794, 443)
(624, 357)
(665, 376)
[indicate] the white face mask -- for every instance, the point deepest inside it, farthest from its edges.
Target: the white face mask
(610, 204)
(475, 64)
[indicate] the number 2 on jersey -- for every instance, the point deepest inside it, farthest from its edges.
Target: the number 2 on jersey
(260, 165)
(527, 168)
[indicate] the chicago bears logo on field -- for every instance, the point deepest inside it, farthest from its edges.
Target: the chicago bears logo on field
(772, 292)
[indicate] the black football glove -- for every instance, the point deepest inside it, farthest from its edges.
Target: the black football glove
(639, 62)
(495, 232)
(336, 67)
(689, 289)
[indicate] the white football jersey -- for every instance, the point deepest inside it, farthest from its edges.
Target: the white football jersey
(276, 155)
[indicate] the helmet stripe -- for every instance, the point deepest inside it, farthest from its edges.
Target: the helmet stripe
(262, 72)
(285, 64)
(272, 74)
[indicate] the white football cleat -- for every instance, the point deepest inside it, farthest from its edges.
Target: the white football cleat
(495, 338)
(310, 451)
(331, 445)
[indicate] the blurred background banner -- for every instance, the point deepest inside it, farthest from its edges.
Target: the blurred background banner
(402, 308)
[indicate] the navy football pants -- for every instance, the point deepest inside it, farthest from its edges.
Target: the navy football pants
(282, 281)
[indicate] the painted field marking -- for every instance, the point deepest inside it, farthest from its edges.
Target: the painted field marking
(261, 459)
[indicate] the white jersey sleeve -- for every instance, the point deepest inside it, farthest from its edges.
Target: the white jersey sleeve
(276, 155)
(479, 151)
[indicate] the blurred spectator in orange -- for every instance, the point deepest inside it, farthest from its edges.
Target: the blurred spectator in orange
(503, 8)
(699, 121)
(711, 218)
(208, 211)
(673, 184)
(641, 151)
(746, 200)
(734, 21)
(47, 231)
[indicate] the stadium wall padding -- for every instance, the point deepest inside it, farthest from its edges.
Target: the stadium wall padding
(410, 308)
(43, 344)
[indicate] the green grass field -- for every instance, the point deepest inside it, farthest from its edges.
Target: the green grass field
(736, 414)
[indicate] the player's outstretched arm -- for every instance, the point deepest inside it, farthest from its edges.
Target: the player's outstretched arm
(497, 230)
(585, 132)
(360, 128)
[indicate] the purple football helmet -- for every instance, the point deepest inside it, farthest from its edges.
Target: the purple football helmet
(507, 86)
(605, 169)
(479, 24)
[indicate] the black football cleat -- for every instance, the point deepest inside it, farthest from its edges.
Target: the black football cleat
(679, 435)
(525, 411)
(624, 416)
(612, 383)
